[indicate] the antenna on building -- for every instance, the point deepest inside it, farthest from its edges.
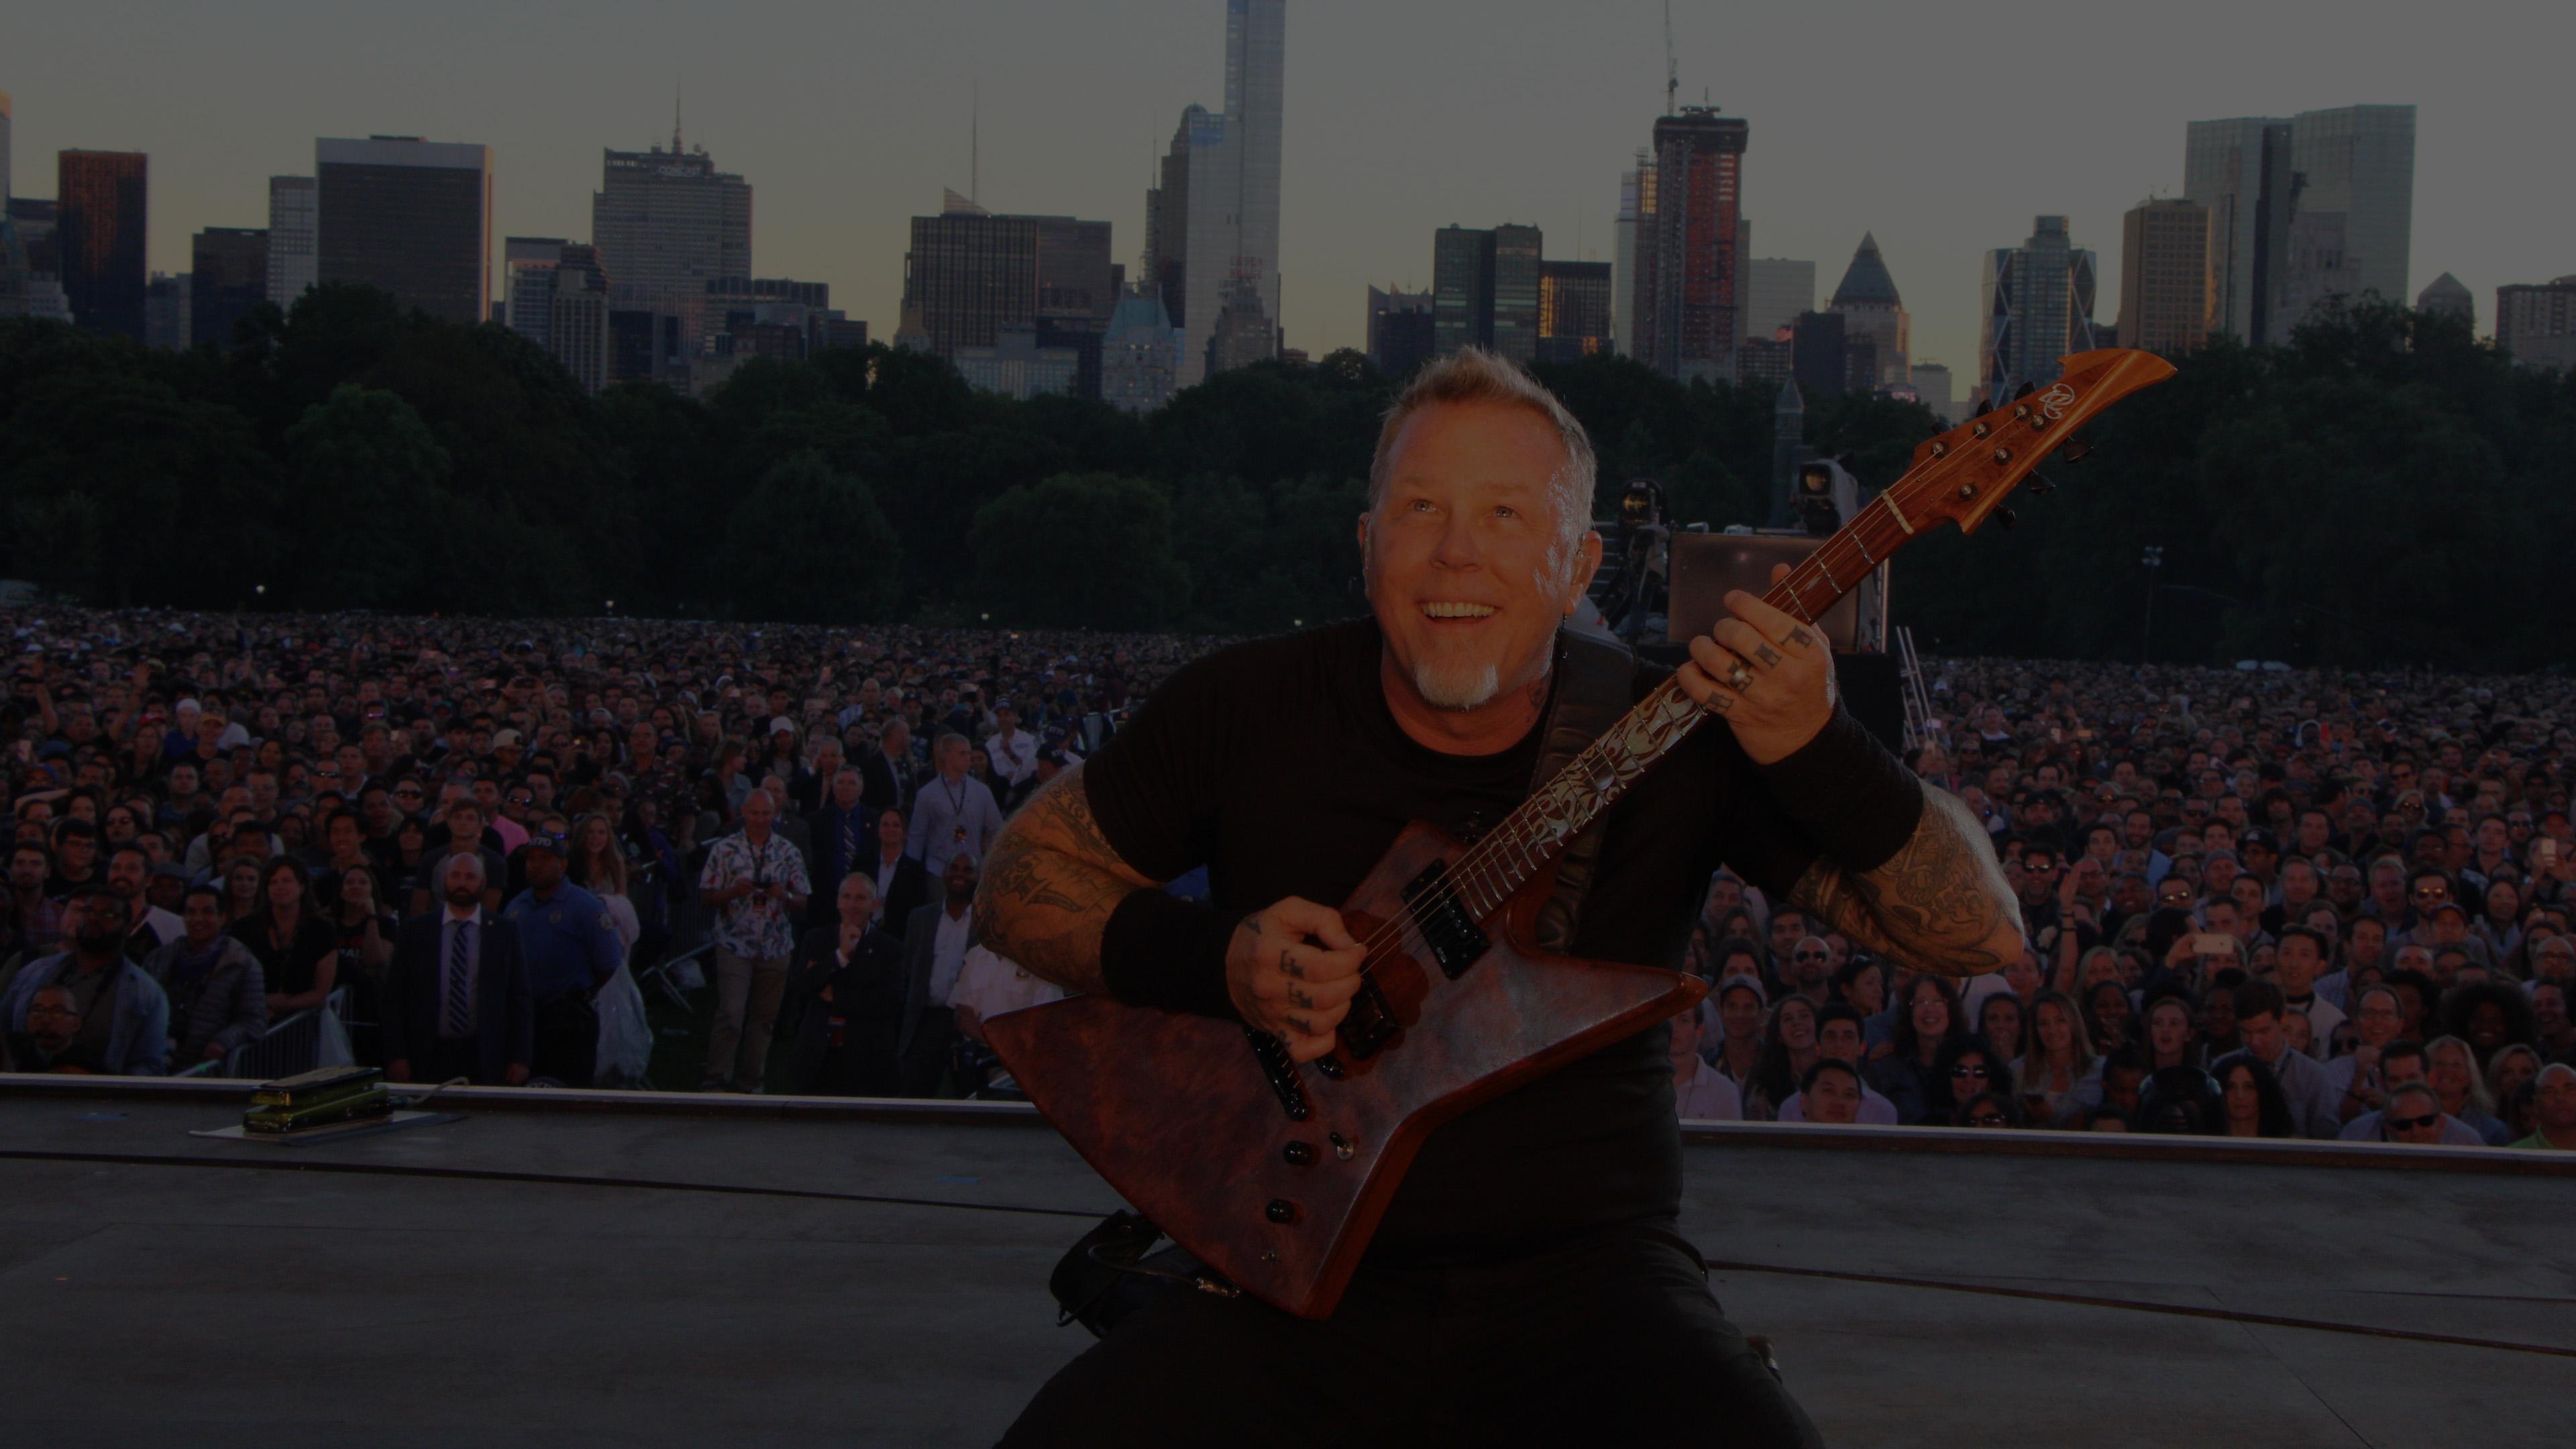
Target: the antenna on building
(675, 115)
(975, 143)
(1672, 68)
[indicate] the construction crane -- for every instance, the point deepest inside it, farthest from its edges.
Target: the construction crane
(1672, 67)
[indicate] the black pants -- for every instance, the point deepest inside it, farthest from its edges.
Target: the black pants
(933, 1049)
(567, 1040)
(1611, 1339)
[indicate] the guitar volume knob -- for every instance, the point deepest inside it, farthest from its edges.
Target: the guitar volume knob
(1280, 1210)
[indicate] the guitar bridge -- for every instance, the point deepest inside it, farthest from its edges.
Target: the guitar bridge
(1368, 1025)
(1448, 932)
(1276, 1065)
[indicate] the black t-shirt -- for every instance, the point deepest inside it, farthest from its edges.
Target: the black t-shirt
(1278, 766)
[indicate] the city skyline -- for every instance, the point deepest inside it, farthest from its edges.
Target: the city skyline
(846, 131)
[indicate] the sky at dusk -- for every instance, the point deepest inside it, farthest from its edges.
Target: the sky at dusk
(1943, 128)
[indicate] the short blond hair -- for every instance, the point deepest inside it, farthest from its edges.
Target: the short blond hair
(1473, 375)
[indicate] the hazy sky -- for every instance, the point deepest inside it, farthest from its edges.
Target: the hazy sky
(1942, 127)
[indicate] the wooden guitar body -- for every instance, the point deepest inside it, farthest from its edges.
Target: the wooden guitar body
(1193, 1124)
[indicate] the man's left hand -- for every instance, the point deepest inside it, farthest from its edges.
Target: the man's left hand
(517, 1075)
(1768, 675)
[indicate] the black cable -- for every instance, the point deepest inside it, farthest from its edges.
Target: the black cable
(1889, 1280)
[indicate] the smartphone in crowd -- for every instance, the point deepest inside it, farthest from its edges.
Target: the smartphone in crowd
(2213, 943)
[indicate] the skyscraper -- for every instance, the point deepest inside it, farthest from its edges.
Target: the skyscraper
(1399, 330)
(99, 238)
(577, 331)
(2447, 293)
(972, 276)
(1636, 221)
(667, 223)
(1776, 290)
(1931, 382)
(2038, 307)
(228, 270)
(1573, 310)
(1867, 302)
(1140, 355)
(2536, 323)
(1699, 165)
(528, 285)
(2315, 206)
(2165, 287)
(409, 217)
(2352, 214)
(293, 216)
(1221, 182)
(1462, 289)
(1517, 261)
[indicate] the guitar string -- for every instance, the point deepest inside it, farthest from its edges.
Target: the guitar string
(1482, 865)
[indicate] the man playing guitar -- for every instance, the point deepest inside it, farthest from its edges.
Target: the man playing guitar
(1529, 1281)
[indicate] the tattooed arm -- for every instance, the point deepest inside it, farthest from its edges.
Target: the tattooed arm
(1049, 885)
(1940, 904)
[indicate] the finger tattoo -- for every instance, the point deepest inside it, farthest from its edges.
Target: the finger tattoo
(1300, 1025)
(1288, 963)
(1298, 995)
(1766, 654)
(1800, 637)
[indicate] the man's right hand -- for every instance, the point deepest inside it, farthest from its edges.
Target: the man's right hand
(398, 1070)
(1292, 970)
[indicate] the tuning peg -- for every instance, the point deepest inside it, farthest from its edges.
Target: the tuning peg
(2039, 483)
(2075, 451)
(2005, 517)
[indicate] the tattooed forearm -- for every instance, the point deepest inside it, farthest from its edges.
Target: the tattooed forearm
(1940, 904)
(1049, 884)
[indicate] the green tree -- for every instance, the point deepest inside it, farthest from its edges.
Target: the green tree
(809, 545)
(362, 474)
(1087, 551)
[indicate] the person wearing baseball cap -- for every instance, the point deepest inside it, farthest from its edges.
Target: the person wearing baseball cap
(571, 949)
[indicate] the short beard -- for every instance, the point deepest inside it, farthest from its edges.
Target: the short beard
(1458, 686)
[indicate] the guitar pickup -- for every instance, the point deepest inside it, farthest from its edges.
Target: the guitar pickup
(1448, 932)
(1368, 1025)
(1272, 1054)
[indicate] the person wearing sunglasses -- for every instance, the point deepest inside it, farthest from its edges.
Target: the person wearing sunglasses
(2414, 1115)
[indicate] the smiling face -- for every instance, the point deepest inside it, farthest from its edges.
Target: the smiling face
(1464, 565)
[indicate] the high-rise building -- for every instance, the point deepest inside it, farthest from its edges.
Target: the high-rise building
(1167, 220)
(2448, 294)
(1830, 357)
(2352, 214)
(667, 223)
(1015, 366)
(1462, 289)
(99, 238)
(293, 216)
(1932, 388)
(228, 280)
(972, 275)
(1225, 191)
(577, 330)
(1140, 355)
(408, 217)
(2165, 277)
(1776, 290)
(1636, 221)
(1399, 330)
(1699, 166)
(2536, 323)
(2316, 206)
(1243, 334)
(165, 311)
(1573, 310)
(1867, 302)
(528, 285)
(2037, 307)
(1517, 264)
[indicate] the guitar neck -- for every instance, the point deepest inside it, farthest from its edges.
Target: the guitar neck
(1518, 848)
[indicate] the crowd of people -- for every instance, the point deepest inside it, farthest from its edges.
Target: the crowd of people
(2257, 904)
(455, 835)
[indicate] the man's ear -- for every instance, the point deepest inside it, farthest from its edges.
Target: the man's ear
(1587, 562)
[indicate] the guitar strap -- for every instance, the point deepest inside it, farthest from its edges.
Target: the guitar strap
(1595, 678)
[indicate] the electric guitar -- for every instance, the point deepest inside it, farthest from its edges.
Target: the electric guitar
(1276, 1174)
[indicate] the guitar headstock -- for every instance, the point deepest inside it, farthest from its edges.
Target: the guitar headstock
(1964, 474)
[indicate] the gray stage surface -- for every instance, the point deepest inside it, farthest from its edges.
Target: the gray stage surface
(166, 1302)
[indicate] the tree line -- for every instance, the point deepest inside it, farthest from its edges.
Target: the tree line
(2384, 489)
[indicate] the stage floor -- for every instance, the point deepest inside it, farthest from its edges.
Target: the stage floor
(169, 1302)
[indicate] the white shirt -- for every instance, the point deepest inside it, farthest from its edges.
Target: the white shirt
(1710, 1097)
(948, 954)
(2323, 1018)
(950, 817)
(885, 881)
(1015, 758)
(1875, 1110)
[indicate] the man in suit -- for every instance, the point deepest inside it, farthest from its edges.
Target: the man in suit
(903, 884)
(841, 837)
(456, 997)
(935, 942)
(888, 773)
(849, 978)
